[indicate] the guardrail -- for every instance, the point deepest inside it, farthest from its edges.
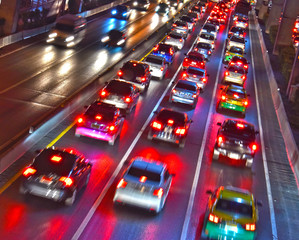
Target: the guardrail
(287, 134)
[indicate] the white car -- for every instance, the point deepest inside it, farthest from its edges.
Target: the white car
(209, 28)
(189, 20)
(158, 65)
(235, 75)
(207, 38)
(175, 39)
(145, 184)
(180, 27)
(235, 41)
(197, 75)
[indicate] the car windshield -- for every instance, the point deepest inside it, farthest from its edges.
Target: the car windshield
(150, 176)
(136, 68)
(210, 28)
(236, 70)
(195, 58)
(236, 50)
(204, 46)
(175, 36)
(164, 48)
(180, 23)
(165, 115)
(234, 207)
(238, 40)
(64, 27)
(195, 71)
(119, 88)
(207, 36)
(163, 5)
(154, 60)
(239, 94)
(242, 130)
(186, 86)
(186, 19)
(106, 112)
(44, 165)
(121, 8)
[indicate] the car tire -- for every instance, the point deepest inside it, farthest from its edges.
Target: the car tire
(169, 99)
(87, 179)
(182, 144)
(22, 190)
(77, 135)
(149, 136)
(215, 155)
(112, 141)
(70, 201)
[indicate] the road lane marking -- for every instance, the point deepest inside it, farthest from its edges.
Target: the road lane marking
(184, 234)
(266, 170)
(61, 134)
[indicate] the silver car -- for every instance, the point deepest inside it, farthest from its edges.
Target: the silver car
(185, 92)
(235, 41)
(158, 65)
(180, 27)
(197, 75)
(207, 38)
(205, 49)
(235, 74)
(189, 20)
(175, 39)
(145, 184)
(209, 28)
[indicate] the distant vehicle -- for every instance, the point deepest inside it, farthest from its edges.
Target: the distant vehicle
(170, 126)
(204, 49)
(175, 39)
(240, 22)
(163, 9)
(121, 12)
(121, 94)
(100, 121)
(164, 50)
(209, 28)
(145, 184)
(115, 38)
(232, 51)
(186, 92)
(158, 65)
(240, 62)
(231, 213)
(68, 31)
(141, 4)
(180, 27)
(235, 143)
(194, 15)
(194, 59)
(236, 31)
(137, 73)
(56, 174)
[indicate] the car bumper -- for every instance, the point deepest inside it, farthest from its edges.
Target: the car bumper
(93, 133)
(233, 106)
(117, 104)
(167, 137)
(157, 73)
(183, 100)
(234, 157)
(234, 80)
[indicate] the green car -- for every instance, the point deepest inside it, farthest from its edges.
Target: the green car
(233, 51)
(231, 214)
(234, 98)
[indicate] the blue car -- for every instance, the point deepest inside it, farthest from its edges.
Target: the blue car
(164, 50)
(121, 12)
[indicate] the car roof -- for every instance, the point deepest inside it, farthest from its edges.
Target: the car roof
(148, 164)
(234, 193)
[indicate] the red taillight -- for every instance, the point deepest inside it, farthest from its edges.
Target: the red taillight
(170, 122)
(168, 37)
(244, 77)
(56, 158)
(103, 93)
(66, 181)
(223, 98)
(181, 40)
(180, 131)
(128, 99)
(80, 120)
(143, 79)
(119, 73)
(184, 75)
(246, 66)
(173, 91)
(111, 128)
(220, 140)
(204, 80)
(158, 192)
(156, 48)
(185, 27)
(250, 227)
(226, 73)
(29, 171)
(213, 218)
(236, 96)
(196, 49)
(156, 125)
(162, 68)
(245, 103)
(209, 52)
(142, 179)
(186, 59)
(253, 147)
(98, 117)
(171, 51)
(174, 25)
(240, 125)
(122, 184)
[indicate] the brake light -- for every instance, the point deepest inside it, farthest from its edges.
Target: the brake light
(245, 66)
(181, 40)
(245, 103)
(128, 99)
(98, 117)
(244, 77)
(196, 49)
(143, 79)
(122, 184)
(185, 27)
(171, 51)
(204, 80)
(158, 192)
(236, 96)
(184, 75)
(103, 93)
(162, 68)
(142, 179)
(112, 128)
(240, 125)
(174, 25)
(29, 171)
(209, 52)
(239, 63)
(119, 73)
(250, 227)
(173, 90)
(66, 181)
(156, 48)
(220, 140)
(186, 60)
(226, 73)
(156, 125)
(223, 97)
(194, 96)
(168, 37)
(213, 218)
(170, 122)
(194, 75)
(56, 158)
(253, 147)
(80, 120)
(180, 131)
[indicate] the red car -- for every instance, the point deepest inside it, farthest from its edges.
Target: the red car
(240, 62)
(194, 59)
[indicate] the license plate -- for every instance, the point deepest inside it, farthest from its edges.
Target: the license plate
(46, 180)
(162, 52)
(94, 125)
(193, 63)
(234, 155)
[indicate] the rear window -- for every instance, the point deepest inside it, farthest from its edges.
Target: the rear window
(209, 28)
(183, 85)
(154, 60)
(204, 46)
(236, 70)
(164, 48)
(195, 71)
(151, 176)
(175, 36)
(180, 23)
(236, 50)
(195, 58)
(64, 27)
(138, 69)
(107, 113)
(120, 88)
(246, 132)
(238, 40)
(186, 19)
(232, 92)
(165, 115)
(225, 205)
(44, 165)
(207, 36)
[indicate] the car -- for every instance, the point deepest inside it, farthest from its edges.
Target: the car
(240, 22)
(121, 12)
(215, 22)
(209, 28)
(170, 126)
(235, 143)
(235, 41)
(194, 15)
(175, 39)
(122, 94)
(180, 27)
(234, 98)
(235, 75)
(57, 174)
(194, 59)
(202, 5)
(173, 3)
(186, 92)
(296, 41)
(145, 184)
(100, 121)
(238, 15)
(158, 66)
(141, 4)
(197, 8)
(206, 38)
(204, 49)
(164, 50)
(190, 21)
(217, 15)
(240, 62)
(115, 38)
(162, 8)
(237, 31)
(137, 73)
(197, 75)
(231, 213)
(232, 51)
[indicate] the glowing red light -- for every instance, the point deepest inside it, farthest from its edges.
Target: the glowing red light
(213, 218)
(128, 99)
(67, 181)
(158, 192)
(56, 158)
(103, 93)
(226, 73)
(80, 120)
(122, 184)
(250, 227)
(98, 117)
(220, 140)
(240, 125)
(142, 179)
(119, 73)
(29, 171)
(180, 131)
(112, 128)
(156, 125)
(170, 122)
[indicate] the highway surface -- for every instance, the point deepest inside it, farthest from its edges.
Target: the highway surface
(40, 77)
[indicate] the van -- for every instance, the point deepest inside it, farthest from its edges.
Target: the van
(68, 31)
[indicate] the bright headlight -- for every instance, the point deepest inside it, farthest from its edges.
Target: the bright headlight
(52, 35)
(113, 12)
(157, 8)
(120, 42)
(105, 39)
(135, 3)
(70, 38)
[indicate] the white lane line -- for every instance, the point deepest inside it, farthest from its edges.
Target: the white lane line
(266, 171)
(184, 234)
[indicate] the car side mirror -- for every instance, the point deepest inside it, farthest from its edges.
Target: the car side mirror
(219, 124)
(209, 192)
(190, 121)
(85, 106)
(257, 132)
(155, 112)
(248, 95)
(259, 203)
